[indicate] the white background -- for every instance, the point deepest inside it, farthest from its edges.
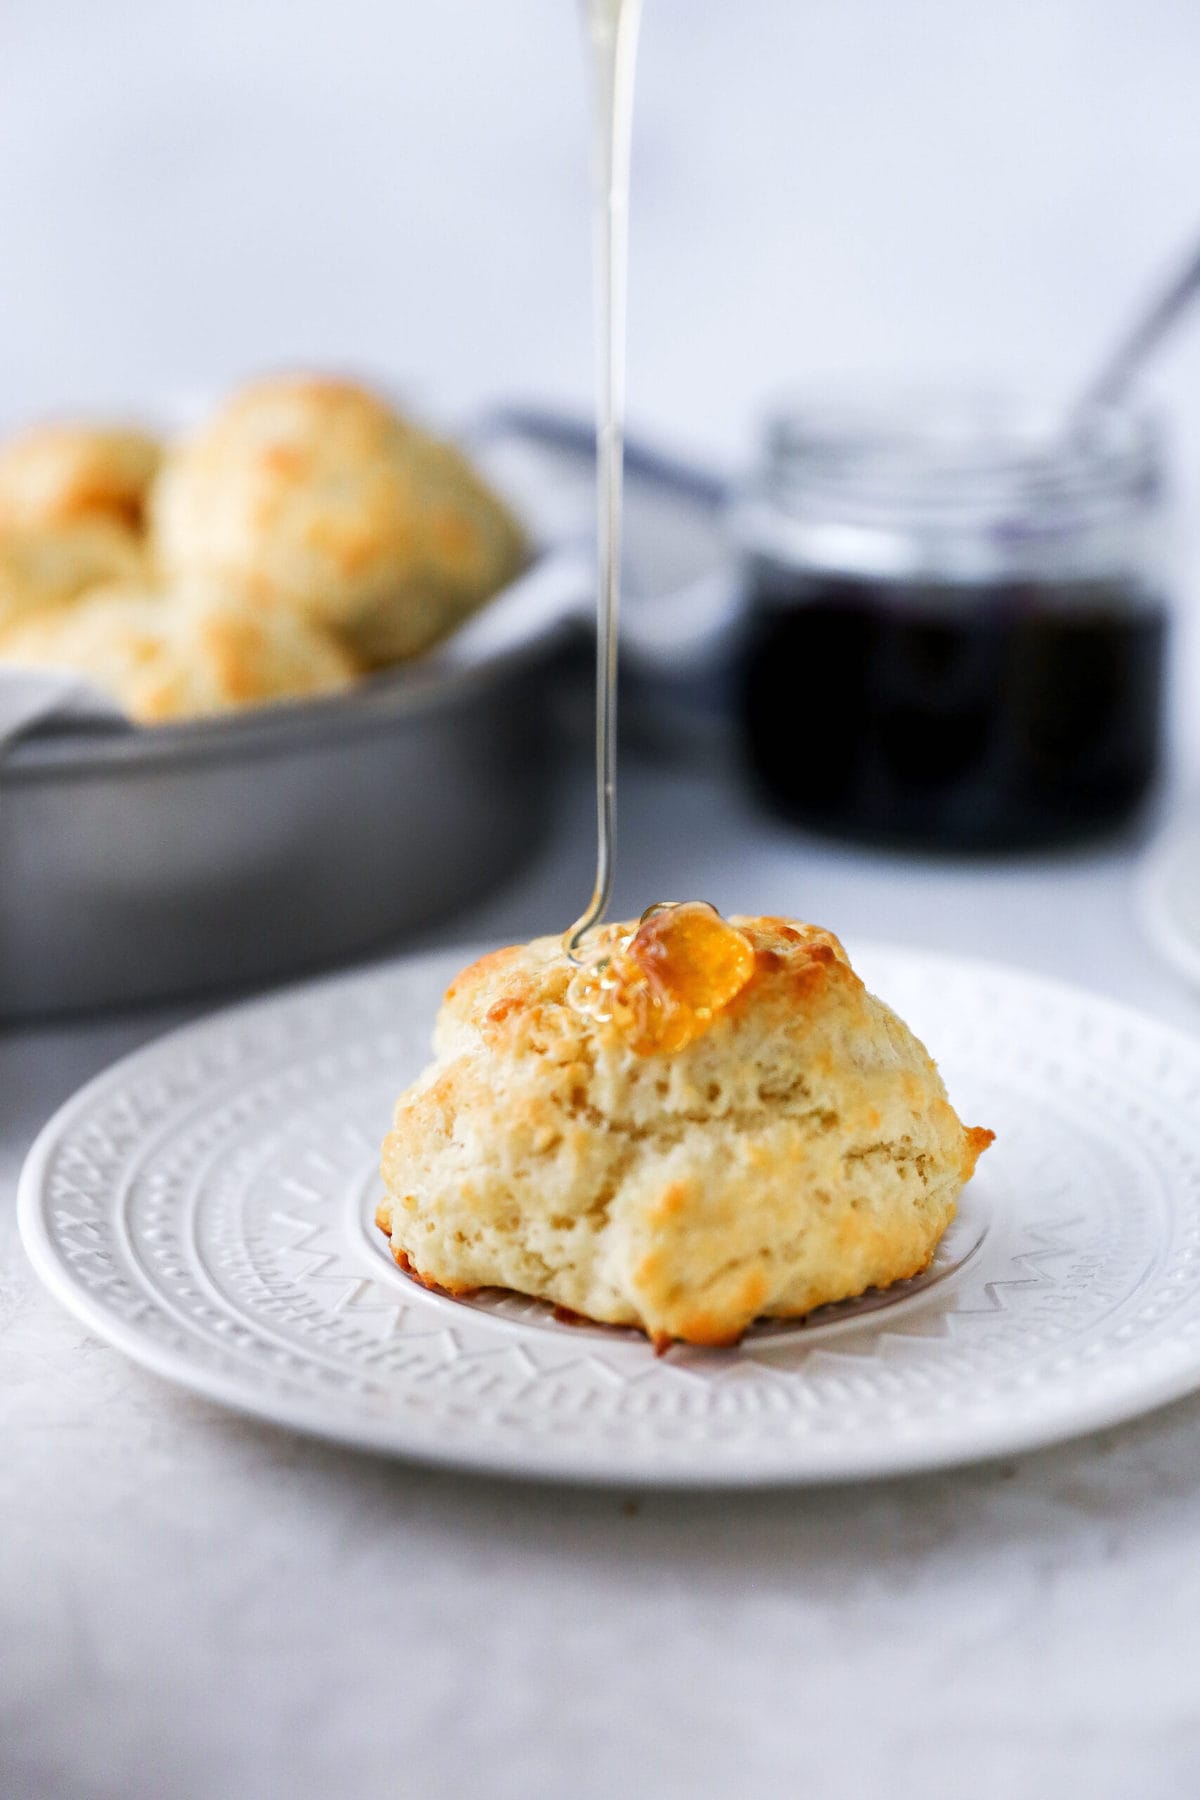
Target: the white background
(192, 191)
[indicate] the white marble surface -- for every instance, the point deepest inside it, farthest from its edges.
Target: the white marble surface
(197, 1606)
(191, 1606)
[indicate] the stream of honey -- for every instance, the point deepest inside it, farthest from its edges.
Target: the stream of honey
(665, 981)
(612, 27)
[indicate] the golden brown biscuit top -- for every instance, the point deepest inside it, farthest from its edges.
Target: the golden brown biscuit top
(56, 474)
(277, 399)
(652, 986)
(299, 426)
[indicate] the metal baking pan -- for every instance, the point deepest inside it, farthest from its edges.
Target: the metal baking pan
(137, 865)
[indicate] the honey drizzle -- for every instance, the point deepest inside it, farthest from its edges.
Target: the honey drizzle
(612, 30)
(664, 983)
(635, 978)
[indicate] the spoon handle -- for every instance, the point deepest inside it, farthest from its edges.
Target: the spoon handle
(1133, 349)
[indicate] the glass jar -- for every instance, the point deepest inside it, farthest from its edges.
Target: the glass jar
(957, 621)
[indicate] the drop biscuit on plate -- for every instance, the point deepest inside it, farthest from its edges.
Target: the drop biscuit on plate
(712, 1122)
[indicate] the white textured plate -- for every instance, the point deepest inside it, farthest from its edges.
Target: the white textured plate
(205, 1205)
(1170, 896)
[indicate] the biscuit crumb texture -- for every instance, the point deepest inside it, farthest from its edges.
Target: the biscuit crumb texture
(799, 1151)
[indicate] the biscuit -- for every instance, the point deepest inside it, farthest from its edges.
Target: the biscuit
(40, 568)
(56, 474)
(793, 1146)
(316, 495)
(181, 655)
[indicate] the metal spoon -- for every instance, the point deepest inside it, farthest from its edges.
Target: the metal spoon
(1116, 373)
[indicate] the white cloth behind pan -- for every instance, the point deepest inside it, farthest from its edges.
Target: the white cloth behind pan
(34, 698)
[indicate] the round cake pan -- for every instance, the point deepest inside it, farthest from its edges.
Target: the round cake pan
(145, 864)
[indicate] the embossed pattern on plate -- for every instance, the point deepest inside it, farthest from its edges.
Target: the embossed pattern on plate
(205, 1205)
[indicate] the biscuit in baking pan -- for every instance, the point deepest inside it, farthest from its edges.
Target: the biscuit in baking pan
(166, 656)
(40, 567)
(57, 473)
(315, 494)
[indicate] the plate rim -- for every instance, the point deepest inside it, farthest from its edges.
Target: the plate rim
(565, 1465)
(1167, 938)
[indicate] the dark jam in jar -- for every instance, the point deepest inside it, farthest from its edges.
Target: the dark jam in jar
(958, 642)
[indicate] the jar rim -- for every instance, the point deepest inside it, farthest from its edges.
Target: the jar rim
(962, 453)
(953, 485)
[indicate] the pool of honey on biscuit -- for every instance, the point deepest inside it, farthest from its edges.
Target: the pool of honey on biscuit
(665, 982)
